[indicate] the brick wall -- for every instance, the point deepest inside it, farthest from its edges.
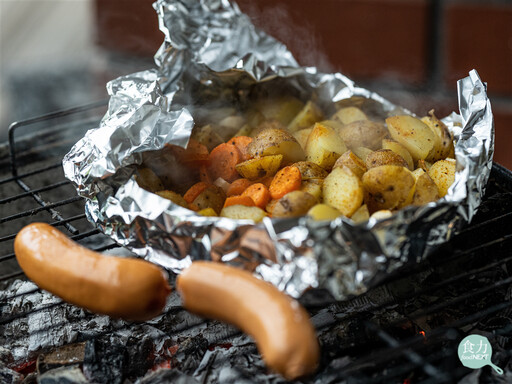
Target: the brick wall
(410, 51)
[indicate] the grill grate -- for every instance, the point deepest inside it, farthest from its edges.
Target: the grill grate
(405, 329)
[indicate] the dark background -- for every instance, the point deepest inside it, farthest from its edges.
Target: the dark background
(57, 54)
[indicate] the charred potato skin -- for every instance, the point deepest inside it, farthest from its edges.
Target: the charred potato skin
(294, 204)
(388, 187)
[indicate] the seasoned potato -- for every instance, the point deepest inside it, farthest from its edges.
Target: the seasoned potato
(241, 212)
(148, 180)
(362, 153)
(352, 162)
(212, 197)
(382, 214)
(425, 189)
(363, 133)
(174, 197)
(324, 146)
(323, 212)
(443, 147)
(309, 170)
(207, 135)
(207, 212)
(260, 167)
(362, 214)
(313, 187)
(425, 165)
(293, 204)
(308, 116)
(281, 109)
(276, 142)
(302, 136)
(388, 187)
(413, 134)
(229, 126)
(270, 206)
(348, 115)
(399, 149)
(384, 157)
(343, 190)
(443, 174)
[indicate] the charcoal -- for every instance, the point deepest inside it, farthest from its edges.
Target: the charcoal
(71, 354)
(8, 376)
(165, 376)
(63, 375)
(103, 362)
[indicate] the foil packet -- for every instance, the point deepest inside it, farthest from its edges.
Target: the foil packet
(212, 54)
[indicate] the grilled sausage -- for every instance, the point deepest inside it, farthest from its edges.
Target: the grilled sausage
(280, 325)
(133, 289)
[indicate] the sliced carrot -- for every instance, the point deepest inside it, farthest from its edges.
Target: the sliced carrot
(204, 175)
(286, 180)
(239, 200)
(222, 161)
(242, 142)
(259, 194)
(193, 207)
(195, 154)
(238, 186)
(195, 191)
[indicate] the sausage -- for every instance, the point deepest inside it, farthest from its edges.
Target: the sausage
(280, 326)
(132, 289)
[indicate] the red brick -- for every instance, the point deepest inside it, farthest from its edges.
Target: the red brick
(479, 36)
(361, 38)
(129, 26)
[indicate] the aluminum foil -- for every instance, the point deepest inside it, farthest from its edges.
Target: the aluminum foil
(213, 55)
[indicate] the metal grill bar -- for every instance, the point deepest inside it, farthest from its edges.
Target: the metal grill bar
(29, 193)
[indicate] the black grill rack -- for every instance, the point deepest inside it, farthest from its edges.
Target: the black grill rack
(381, 349)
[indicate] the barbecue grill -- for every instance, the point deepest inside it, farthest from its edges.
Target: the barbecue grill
(405, 330)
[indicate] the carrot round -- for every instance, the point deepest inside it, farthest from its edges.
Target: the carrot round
(266, 181)
(241, 142)
(223, 159)
(204, 175)
(239, 200)
(195, 191)
(259, 194)
(195, 154)
(238, 186)
(286, 180)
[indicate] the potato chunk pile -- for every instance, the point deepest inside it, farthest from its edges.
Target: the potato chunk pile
(284, 158)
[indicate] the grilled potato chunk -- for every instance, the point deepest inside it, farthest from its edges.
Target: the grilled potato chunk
(388, 187)
(323, 212)
(384, 157)
(363, 133)
(413, 134)
(348, 115)
(324, 146)
(260, 167)
(148, 180)
(313, 187)
(208, 136)
(399, 149)
(212, 197)
(302, 136)
(296, 203)
(361, 215)
(443, 174)
(443, 146)
(281, 109)
(176, 198)
(425, 189)
(352, 162)
(276, 142)
(241, 212)
(343, 190)
(309, 170)
(308, 116)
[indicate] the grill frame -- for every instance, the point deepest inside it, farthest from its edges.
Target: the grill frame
(409, 350)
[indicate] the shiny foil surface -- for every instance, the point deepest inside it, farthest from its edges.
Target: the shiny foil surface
(212, 53)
